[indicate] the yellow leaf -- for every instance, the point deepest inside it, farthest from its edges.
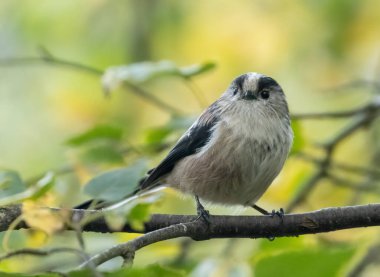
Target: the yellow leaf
(38, 216)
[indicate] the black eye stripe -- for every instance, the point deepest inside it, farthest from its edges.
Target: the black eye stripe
(266, 82)
(239, 81)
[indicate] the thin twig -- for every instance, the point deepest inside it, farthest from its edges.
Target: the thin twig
(328, 115)
(371, 107)
(127, 250)
(152, 99)
(371, 257)
(306, 189)
(43, 253)
(359, 121)
(52, 60)
(39, 252)
(196, 92)
(362, 187)
(356, 83)
(360, 170)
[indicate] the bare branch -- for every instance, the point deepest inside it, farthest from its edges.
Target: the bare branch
(43, 253)
(373, 106)
(360, 170)
(324, 220)
(359, 187)
(150, 98)
(162, 227)
(127, 250)
(359, 121)
(52, 60)
(39, 252)
(170, 226)
(328, 115)
(371, 257)
(375, 86)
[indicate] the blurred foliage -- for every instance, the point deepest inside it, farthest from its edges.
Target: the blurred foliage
(315, 262)
(63, 142)
(142, 72)
(153, 271)
(116, 184)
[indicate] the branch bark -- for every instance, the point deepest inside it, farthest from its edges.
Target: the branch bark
(223, 226)
(167, 226)
(325, 220)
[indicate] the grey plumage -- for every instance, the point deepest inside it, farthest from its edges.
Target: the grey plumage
(235, 149)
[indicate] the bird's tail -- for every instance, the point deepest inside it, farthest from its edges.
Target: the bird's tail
(99, 204)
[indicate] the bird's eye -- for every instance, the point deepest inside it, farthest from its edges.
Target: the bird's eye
(235, 91)
(264, 94)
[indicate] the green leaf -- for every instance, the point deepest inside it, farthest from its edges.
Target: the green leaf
(107, 153)
(116, 184)
(83, 273)
(138, 215)
(100, 132)
(32, 192)
(150, 270)
(299, 139)
(138, 73)
(10, 183)
(310, 262)
(43, 185)
(4, 274)
(281, 243)
(196, 69)
(157, 135)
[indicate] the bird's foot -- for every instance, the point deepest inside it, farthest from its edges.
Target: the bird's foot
(280, 213)
(202, 212)
(204, 215)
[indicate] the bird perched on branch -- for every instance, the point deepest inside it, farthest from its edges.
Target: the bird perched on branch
(234, 150)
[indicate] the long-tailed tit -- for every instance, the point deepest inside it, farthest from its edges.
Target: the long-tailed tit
(234, 150)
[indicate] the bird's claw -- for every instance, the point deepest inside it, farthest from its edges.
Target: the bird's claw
(203, 214)
(280, 213)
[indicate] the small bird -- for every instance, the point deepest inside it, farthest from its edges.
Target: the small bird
(234, 150)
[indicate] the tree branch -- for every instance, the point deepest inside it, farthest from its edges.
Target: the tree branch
(39, 252)
(371, 107)
(167, 226)
(223, 226)
(360, 121)
(351, 168)
(325, 220)
(49, 59)
(43, 253)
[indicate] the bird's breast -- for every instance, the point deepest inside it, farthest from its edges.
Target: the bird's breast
(237, 165)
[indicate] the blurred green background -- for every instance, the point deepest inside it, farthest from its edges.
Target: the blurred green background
(310, 47)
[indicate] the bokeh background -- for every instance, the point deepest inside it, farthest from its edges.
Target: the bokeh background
(314, 49)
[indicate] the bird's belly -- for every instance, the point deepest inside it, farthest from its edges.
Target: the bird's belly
(238, 176)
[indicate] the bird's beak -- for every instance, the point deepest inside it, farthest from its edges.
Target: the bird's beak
(249, 95)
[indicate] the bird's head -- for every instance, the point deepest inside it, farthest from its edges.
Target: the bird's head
(259, 92)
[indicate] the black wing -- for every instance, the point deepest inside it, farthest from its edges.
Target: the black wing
(194, 139)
